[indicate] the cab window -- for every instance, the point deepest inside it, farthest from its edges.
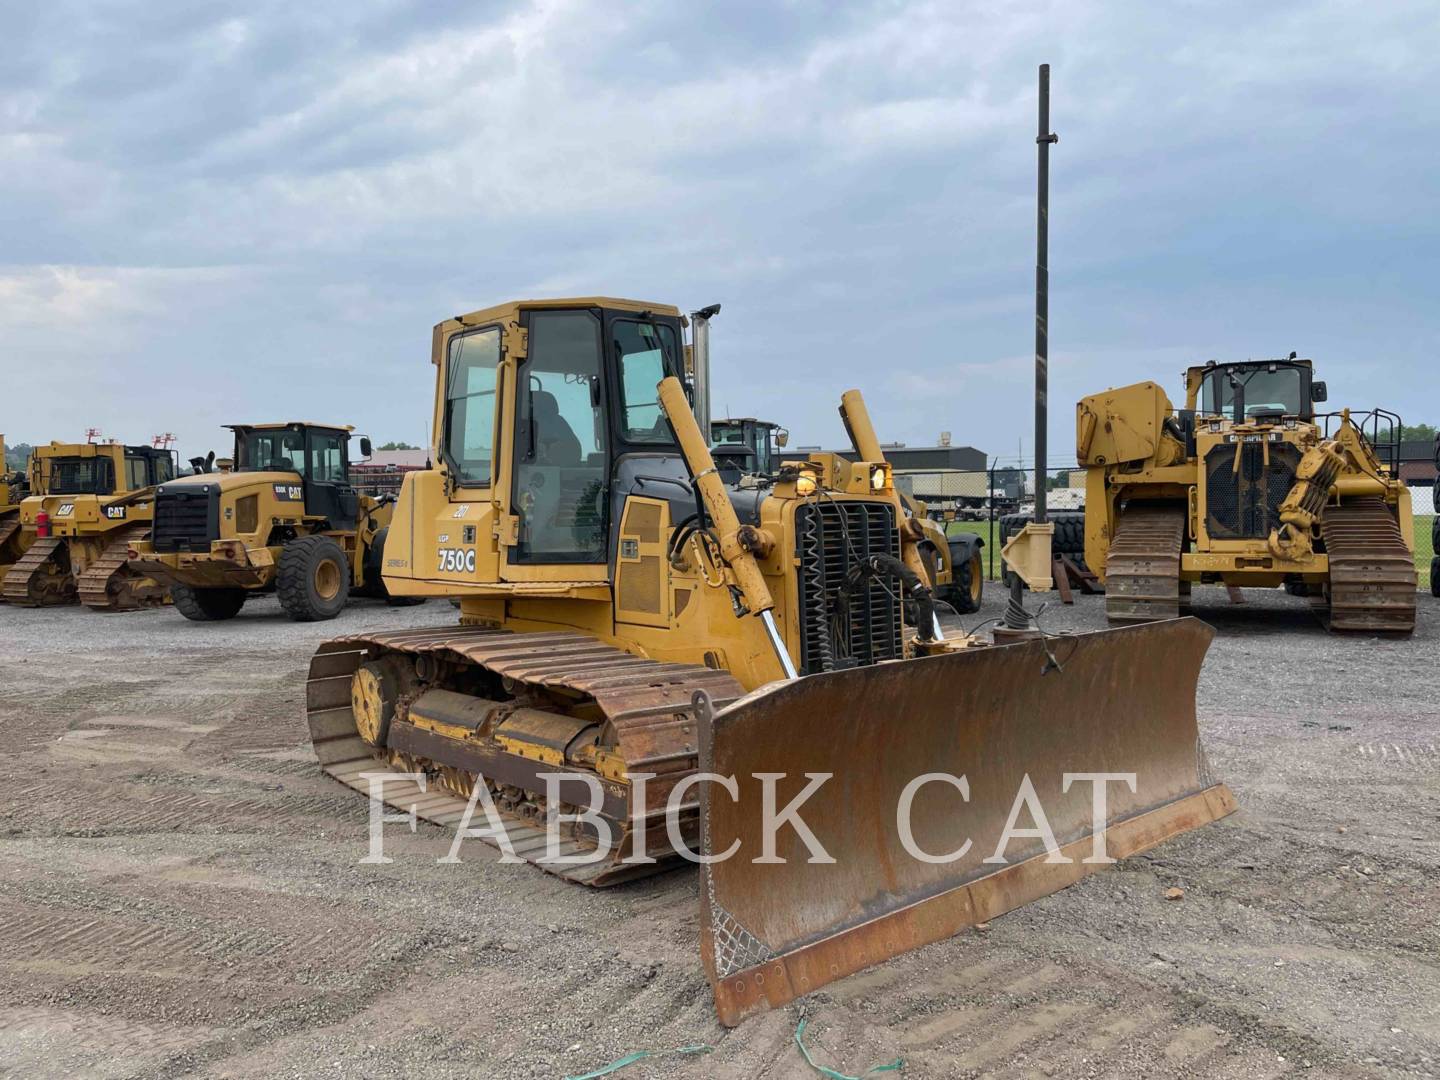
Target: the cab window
(135, 473)
(470, 405)
(641, 349)
(81, 476)
(327, 457)
(271, 450)
(1261, 389)
(560, 441)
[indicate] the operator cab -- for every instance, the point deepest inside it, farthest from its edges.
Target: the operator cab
(746, 446)
(587, 423)
(1260, 391)
(318, 455)
(93, 473)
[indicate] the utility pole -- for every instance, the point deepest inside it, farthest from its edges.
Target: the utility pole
(1043, 141)
(1017, 621)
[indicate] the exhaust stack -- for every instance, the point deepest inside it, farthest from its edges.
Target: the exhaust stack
(700, 358)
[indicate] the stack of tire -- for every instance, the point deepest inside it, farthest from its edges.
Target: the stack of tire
(1069, 538)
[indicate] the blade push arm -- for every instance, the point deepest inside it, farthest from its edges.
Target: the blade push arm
(748, 579)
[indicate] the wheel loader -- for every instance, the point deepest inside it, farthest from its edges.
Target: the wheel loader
(745, 446)
(627, 618)
(1245, 486)
(15, 540)
(88, 502)
(283, 518)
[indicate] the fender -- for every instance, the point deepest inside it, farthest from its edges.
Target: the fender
(964, 546)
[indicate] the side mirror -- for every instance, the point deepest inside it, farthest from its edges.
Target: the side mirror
(1317, 391)
(364, 446)
(782, 438)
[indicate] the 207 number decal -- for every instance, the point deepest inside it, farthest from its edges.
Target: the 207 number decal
(457, 560)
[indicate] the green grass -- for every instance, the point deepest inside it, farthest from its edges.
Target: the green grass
(1424, 549)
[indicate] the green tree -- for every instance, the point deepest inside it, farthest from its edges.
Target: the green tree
(1418, 432)
(398, 446)
(17, 455)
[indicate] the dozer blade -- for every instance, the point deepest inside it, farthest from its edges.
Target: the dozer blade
(1121, 701)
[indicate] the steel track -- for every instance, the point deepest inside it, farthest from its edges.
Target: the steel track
(1372, 572)
(646, 707)
(1142, 570)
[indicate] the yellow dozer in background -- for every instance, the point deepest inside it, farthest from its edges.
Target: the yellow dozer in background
(281, 516)
(14, 538)
(1245, 487)
(88, 502)
(626, 618)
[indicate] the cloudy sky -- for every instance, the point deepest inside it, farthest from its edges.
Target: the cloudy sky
(242, 211)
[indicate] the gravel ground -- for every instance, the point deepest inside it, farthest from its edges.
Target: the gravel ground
(182, 894)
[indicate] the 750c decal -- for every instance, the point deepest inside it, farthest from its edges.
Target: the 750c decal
(457, 560)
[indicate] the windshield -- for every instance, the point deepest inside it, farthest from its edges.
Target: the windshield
(81, 476)
(1273, 388)
(642, 349)
(277, 450)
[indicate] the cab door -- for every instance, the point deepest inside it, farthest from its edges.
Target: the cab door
(559, 459)
(328, 493)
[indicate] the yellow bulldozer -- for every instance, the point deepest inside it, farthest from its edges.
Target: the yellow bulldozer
(1244, 486)
(281, 517)
(14, 538)
(747, 447)
(649, 661)
(87, 503)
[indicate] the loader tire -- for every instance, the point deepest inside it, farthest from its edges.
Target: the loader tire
(969, 580)
(312, 579)
(1435, 575)
(395, 601)
(207, 605)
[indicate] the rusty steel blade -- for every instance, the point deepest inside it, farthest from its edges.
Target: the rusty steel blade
(1123, 701)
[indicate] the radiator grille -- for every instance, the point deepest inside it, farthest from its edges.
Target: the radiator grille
(1245, 505)
(836, 632)
(185, 520)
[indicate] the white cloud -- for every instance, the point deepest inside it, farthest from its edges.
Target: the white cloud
(305, 189)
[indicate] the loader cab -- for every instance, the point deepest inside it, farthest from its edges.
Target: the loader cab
(1263, 391)
(319, 457)
(579, 423)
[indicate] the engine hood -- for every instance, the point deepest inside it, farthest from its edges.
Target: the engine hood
(204, 483)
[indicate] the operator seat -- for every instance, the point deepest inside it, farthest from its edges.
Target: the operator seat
(555, 440)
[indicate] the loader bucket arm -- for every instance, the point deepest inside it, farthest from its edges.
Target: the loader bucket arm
(1120, 701)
